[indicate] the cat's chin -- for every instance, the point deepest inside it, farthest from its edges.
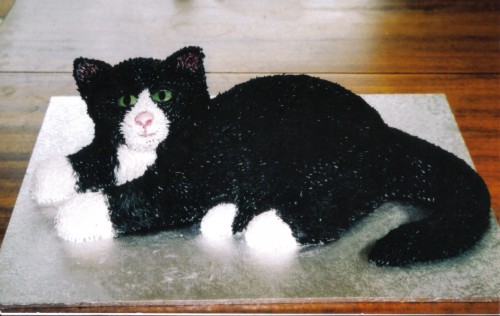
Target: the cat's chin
(143, 147)
(142, 143)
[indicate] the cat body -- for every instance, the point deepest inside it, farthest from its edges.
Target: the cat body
(313, 152)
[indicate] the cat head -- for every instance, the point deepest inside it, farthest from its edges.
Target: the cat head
(140, 101)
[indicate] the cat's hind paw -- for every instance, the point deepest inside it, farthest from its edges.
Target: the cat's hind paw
(85, 217)
(216, 224)
(54, 181)
(268, 233)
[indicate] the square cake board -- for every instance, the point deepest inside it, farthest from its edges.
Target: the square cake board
(180, 268)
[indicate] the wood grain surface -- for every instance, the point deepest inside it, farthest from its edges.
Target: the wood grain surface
(449, 47)
(291, 307)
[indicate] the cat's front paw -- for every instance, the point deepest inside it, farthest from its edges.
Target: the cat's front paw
(85, 217)
(54, 181)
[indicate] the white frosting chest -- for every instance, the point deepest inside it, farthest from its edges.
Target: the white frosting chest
(132, 164)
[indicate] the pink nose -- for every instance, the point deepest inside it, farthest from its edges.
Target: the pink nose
(144, 119)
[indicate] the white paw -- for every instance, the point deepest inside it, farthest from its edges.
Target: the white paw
(54, 181)
(217, 223)
(269, 234)
(85, 217)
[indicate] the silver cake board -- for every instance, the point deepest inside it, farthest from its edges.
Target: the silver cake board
(37, 267)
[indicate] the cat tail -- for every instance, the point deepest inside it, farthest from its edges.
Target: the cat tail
(459, 204)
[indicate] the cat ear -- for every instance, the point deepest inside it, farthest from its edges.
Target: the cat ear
(85, 71)
(189, 58)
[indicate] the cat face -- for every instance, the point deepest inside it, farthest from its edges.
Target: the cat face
(140, 101)
(145, 125)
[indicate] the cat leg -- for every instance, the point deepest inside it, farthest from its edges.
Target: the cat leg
(143, 205)
(265, 232)
(242, 218)
(95, 166)
(53, 182)
(85, 217)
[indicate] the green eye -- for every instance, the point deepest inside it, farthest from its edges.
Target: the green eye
(127, 100)
(162, 96)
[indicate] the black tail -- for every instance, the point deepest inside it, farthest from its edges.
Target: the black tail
(460, 210)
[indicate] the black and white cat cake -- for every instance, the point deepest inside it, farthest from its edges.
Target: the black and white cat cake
(301, 154)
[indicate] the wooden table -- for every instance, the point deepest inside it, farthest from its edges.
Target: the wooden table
(449, 47)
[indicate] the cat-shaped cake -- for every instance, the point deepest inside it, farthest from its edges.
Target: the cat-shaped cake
(310, 155)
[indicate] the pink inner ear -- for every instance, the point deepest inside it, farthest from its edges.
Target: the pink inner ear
(189, 61)
(87, 70)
